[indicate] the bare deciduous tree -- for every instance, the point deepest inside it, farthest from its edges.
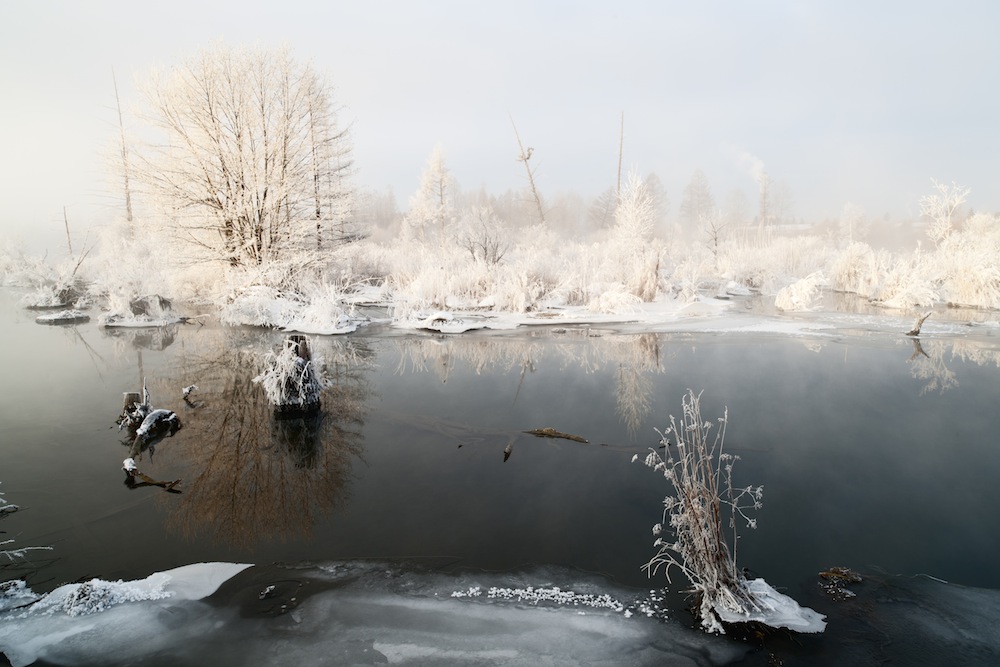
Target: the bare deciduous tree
(253, 163)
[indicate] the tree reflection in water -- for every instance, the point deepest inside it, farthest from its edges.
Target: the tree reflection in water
(637, 357)
(252, 477)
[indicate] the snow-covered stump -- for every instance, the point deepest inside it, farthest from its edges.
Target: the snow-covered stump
(291, 381)
(130, 400)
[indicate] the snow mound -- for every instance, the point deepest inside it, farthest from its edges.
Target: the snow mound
(98, 619)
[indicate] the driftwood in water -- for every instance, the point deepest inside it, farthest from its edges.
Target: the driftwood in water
(549, 432)
(135, 478)
(915, 331)
(145, 424)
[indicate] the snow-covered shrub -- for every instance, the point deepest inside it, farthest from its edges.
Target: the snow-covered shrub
(858, 269)
(768, 263)
(704, 507)
(965, 263)
(802, 294)
(907, 284)
(260, 306)
(482, 234)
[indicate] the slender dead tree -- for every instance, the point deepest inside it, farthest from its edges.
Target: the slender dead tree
(621, 146)
(125, 166)
(69, 240)
(523, 156)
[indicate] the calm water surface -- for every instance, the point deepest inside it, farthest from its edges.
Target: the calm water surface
(873, 454)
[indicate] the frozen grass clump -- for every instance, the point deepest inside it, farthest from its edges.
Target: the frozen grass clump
(698, 519)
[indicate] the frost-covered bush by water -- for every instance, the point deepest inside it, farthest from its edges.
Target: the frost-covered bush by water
(703, 508)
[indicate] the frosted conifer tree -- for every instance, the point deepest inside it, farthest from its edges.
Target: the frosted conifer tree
(696, 200)
(432, 208)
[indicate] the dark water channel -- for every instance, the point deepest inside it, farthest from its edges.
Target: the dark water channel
(873, 455)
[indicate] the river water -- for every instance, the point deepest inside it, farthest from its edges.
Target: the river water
(875, 452)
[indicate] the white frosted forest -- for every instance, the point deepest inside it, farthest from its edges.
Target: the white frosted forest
(238, 195)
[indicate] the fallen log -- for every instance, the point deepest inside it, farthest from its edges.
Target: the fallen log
(549, 432)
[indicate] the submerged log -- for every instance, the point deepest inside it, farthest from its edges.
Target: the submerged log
(549, 432)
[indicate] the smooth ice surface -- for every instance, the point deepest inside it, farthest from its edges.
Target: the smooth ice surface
(362, 613)
(371, 612)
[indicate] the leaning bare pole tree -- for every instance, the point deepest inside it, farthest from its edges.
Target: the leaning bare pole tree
(523, 157)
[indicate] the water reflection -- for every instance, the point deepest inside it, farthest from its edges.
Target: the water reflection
(634, 358)
(250, 477)
(155, 339)
(927, 363)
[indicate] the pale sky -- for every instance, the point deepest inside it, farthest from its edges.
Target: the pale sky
(843, 101)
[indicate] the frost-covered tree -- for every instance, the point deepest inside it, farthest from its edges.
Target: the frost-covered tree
(941, 208)
(601, 212)
(696, 200)
(483, 235)
(631, 247)
(432, 207)
(765, 214)
(253, 165)
(737, 208)
(853, 223)
(377, 212)
(713, 225)
(661, 202)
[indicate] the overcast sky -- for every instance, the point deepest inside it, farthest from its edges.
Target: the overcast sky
(841, 101)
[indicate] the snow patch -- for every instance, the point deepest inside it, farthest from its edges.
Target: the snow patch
(775, 610)
(118, 613)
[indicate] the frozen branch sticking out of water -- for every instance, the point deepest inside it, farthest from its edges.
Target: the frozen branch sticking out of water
(919, 322)
(700, 474)
(13, 554)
